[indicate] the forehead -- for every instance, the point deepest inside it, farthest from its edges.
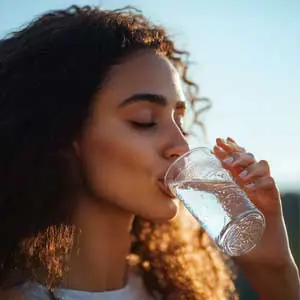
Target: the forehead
(144, 72)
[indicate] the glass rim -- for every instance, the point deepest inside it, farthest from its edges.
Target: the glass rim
(182, 157)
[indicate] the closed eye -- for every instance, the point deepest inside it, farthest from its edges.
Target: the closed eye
(184, 133)
(143, 125)
(149, 125)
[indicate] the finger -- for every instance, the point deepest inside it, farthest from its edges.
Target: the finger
(254, 171)
(220, 152)
(237, 162)
(229, 146)
(235, 158)
(238, 159)
(235, 145)
(263, 183)
(231, 140)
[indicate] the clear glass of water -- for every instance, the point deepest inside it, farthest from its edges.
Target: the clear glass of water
(210, 194)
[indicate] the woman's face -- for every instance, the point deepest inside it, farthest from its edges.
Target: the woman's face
(133, 135)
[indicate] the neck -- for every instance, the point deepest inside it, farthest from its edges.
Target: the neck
(104, 243)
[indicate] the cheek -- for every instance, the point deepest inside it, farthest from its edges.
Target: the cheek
(118, 163)
(121, 168)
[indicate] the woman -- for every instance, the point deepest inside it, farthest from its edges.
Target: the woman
(91, 112)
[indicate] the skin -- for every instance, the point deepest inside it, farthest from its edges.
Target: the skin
(121, 165)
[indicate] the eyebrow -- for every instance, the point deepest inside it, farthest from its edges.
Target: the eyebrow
(152, 98)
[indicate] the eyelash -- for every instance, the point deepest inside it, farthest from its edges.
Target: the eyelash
(184, 133)
(145, 126)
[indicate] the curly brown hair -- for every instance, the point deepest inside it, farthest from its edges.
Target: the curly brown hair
(49, 72)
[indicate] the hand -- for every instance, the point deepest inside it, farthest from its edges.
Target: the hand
(273, 252)
(255, 179)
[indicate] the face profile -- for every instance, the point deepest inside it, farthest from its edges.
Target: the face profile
(133, 135)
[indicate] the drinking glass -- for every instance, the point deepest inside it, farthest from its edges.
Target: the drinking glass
(211, 195)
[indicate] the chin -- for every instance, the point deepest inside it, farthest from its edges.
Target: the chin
(164, 214)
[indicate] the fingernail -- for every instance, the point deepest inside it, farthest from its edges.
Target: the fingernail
(229, 139)
(221, 140)
(250, 186)
(220, 149)
(228, 160)
(243, 174)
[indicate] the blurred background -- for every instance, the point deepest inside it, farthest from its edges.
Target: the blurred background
(245, 57)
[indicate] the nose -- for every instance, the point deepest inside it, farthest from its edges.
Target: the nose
(177, 145)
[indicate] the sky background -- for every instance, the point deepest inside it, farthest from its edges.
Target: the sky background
(246, 58)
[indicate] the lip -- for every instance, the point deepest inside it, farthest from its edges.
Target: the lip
(165, 190)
